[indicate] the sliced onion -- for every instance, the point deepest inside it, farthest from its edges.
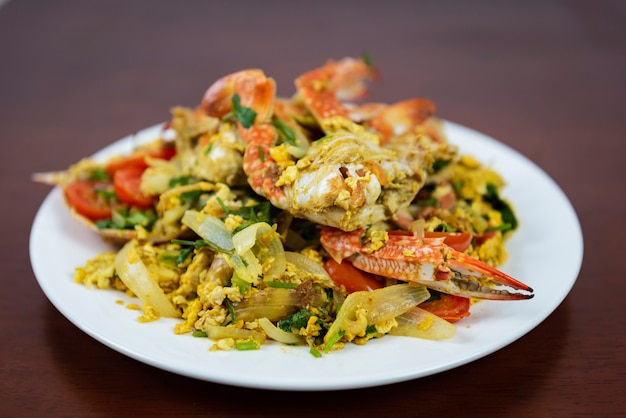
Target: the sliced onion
(305, 263)
(272, 303)
(419, 323)
(216, 332)
(136, 276)
(260, 246)
(379, 306)
(278, 334)
(211, 229)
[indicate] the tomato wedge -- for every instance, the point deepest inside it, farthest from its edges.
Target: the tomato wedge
(449, 307)
(345, 275)
(460, 241)
(138, 159)
(82, 196)
(127, 182)
(480, 240)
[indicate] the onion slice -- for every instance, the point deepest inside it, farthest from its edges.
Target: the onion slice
(303, 262)
(136, 276)
(211, 229)
(419, 323)
(278, 334)
(261, 248)
(363, 308)
(216, 332)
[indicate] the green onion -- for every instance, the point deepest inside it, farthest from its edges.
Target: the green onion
(180, 181)
(190, 246)
(440, 164)
(444, 227)
(315, 352)
(250, 214)
(231, 310)
(191, 196)
(282, 285)
(247, 345)
(139, 218)
(106, 194)
(492, 197)
(200, 334)
(503, 227)
(243, 285)
(99, 174)
(285, 131)
(333, 340)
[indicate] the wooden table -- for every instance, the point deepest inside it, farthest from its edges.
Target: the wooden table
(546, 78)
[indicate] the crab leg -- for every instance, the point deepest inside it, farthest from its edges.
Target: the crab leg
(426, 261)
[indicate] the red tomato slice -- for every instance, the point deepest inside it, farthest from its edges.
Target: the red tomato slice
(138, 159)
(460, 241)
(81, 195)
(127, 183)
(345, 275)
(480, 240)
(449, 307)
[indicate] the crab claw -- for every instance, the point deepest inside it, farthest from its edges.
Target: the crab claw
(427, 261)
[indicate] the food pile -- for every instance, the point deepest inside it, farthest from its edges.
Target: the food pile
(314, 220)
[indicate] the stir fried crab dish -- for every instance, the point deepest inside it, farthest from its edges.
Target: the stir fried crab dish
(315, 220)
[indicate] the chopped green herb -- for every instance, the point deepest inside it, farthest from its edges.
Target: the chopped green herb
(181, 181)
(243, 285)
(261, 153)
(250, 214)
(457, 186)
(122, 218)
(199, 334)
(247, 345)
(440, 164)
(231, 310)
(244, 115)
(370, 329)
(285, 132)
(282, 285)
(140, 218)
(99, 174)
(207, 150)
(188, 248)
(333, 340)
(493, 198)
(296, 321)
(315, 352)
(191, 197)
(444, 227)
(428, 202)
(169, 257)
(502, 228)
(106, 194)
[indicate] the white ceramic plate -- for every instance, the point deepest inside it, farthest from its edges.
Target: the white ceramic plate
(546, 253)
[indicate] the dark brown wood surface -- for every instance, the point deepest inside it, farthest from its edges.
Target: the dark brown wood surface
(546, 78)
